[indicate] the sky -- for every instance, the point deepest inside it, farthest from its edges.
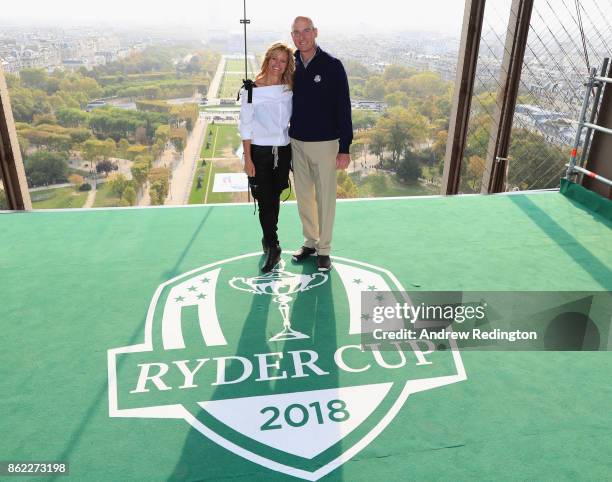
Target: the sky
(443, 16)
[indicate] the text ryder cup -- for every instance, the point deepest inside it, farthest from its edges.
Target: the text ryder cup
(302, 363)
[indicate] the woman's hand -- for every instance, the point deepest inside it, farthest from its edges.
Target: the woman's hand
(249, 167)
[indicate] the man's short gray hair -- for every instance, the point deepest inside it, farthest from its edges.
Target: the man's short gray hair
(307, 19)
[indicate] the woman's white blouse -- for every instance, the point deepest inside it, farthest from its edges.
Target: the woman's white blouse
(266, 121)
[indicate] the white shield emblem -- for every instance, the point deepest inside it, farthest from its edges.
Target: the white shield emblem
(270, 366)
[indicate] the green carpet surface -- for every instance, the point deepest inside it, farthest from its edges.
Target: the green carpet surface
(76, 284)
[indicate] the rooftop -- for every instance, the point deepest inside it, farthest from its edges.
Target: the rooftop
(79, 283)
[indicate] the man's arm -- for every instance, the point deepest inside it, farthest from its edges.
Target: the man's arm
(343, 111)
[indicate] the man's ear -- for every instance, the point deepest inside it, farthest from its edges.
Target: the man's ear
(316, 32)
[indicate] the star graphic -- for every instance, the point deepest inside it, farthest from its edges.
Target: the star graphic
(365, 316)
(201, 296)
(357, 281)
(192, 288)
(205, 280)
(179, 299)
(379, 297)
(372, 288)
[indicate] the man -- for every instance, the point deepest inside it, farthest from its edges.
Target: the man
(321, 133)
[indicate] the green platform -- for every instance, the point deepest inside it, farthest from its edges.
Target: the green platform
(76, 284)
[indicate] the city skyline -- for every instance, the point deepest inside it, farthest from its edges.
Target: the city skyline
(443, 16)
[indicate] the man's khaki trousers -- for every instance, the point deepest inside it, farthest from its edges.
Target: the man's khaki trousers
(314, 173)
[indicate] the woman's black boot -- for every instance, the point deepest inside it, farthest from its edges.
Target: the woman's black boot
(273, 258)
(264, 245)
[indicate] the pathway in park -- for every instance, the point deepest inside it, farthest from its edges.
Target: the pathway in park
(184, 170)
(91, 197)
(213, 91)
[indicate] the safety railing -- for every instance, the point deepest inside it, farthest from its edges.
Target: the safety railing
(594, 84)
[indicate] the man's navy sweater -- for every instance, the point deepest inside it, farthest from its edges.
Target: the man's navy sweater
(321, 101)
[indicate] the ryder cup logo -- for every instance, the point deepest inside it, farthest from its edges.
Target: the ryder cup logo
(270, 367)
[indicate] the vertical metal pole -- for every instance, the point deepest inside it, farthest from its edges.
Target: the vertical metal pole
(245, 21)
(12, 172)
(585, 104)
(598, 90)
(462, 97)
(494, 175)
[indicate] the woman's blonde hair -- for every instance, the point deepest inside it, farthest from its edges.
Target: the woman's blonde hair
(287, 77)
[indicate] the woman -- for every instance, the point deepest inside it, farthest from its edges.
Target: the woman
(264, 126)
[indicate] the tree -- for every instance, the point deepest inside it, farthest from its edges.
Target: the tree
(45, 167)
(108, 148)
(39, 119)
(105, 166)
(158, 191)
(129, 195)
(76, 180)
(403, 128)
(162, 133)
(377, 143)
(425, 84)
(117, 183)
(178, 137)
(69, 117)
(158, 149)
(397, 99)
(535, 163)
(140, 172)
(375, 88)
(34, 78)
(122, 147)
(473, 174)
(159, 179)
(92, 150)
(409, 168)
(345, 187)
(439, 144)
(363, 119)
(134, 151)
(78, 136)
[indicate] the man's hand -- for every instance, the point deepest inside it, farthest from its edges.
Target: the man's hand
(343, 161)
(249, 168)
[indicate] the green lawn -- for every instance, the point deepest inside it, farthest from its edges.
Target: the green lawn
(65, 197)
(218, 197)
(104, 197)
(230, 85)
(223, 135)
(385, 185)
(208, 175)
(196, 196)
(237, 65)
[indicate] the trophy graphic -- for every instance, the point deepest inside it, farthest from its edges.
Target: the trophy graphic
(280, 284)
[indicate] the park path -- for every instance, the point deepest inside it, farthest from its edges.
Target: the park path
(184, 170)
(91, 197)
(216, 82)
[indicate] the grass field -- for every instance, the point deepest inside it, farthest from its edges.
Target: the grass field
(104, 197)
(230, 85)
(65, 197)
(385, 185)
(223, 136)
(196, 196)
(237, 65)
